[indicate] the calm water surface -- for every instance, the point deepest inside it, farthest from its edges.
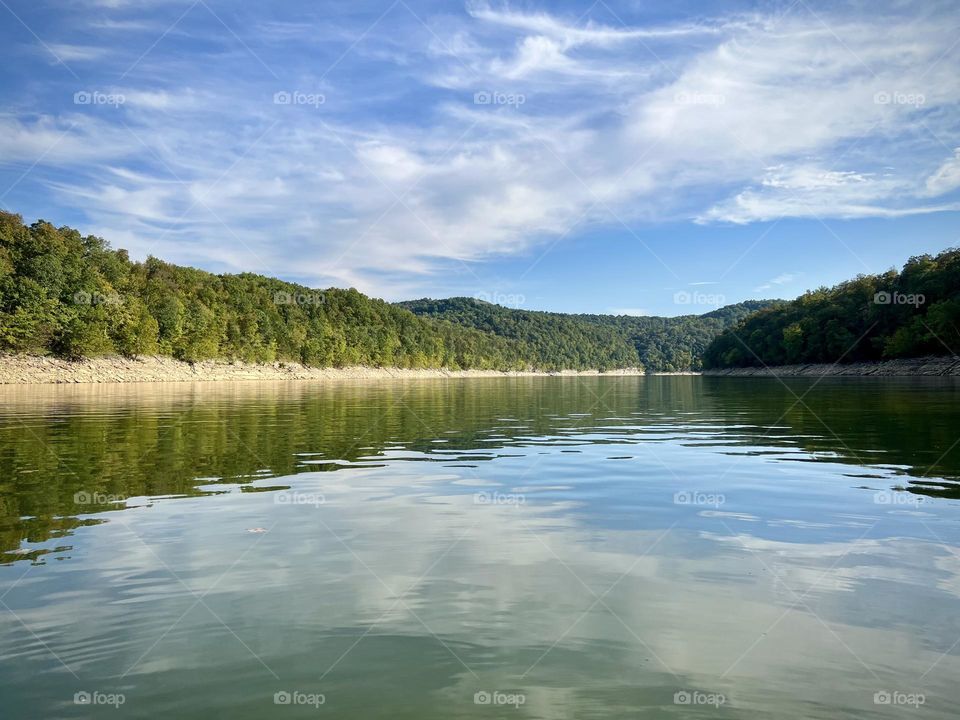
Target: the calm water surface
(508, 548)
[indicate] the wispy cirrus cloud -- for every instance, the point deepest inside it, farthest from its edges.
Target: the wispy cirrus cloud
(77, 53)
(946, 178)
(418, 143)
(778, 281)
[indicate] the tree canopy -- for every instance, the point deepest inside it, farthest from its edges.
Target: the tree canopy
(913, 313)
(73, 296)
(659, 344)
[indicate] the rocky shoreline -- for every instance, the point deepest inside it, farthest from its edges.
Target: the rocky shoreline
(919, 367)
(33, 370)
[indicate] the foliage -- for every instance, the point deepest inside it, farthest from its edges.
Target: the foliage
(559, 340)
(658, 344)
(874, 317)
(73, 296)
(674, 344)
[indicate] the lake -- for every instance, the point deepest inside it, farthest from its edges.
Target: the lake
(486, 548)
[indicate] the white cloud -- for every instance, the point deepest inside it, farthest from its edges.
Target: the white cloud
(947, 177)
(124, 25)
(807, 190)
(779, 280)
(75, 53)
(573, 33)
(399, 175)
(69, 139)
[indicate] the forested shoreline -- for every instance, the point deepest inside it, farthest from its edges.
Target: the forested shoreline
(72, 296)
(908, 314)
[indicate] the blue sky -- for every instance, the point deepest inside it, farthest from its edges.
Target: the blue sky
(640, 157)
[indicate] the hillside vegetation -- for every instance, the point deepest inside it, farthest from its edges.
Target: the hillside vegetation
(913, 313)
(671, 344)
(660, 344)
(569, 341)
(73, 296)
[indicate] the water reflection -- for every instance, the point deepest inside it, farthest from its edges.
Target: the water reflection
(67, 451)
(596, 546)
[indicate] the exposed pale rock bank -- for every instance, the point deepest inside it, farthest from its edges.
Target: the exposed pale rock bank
(918, 367)
(31, 369)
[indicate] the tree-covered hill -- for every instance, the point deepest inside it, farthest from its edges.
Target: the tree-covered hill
(73, 296)
(670, 344)
(913, 313)
(660, 344)
(565, 339)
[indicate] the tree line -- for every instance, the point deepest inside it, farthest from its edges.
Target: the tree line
(659, 344)
(911, 313)
(676, 344)
(73, 296)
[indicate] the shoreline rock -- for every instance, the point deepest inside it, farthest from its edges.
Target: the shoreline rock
(915, 367)
(35, 369)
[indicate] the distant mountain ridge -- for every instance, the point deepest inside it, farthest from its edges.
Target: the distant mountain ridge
(659, 344)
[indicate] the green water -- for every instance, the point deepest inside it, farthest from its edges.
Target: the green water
(531, 548)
